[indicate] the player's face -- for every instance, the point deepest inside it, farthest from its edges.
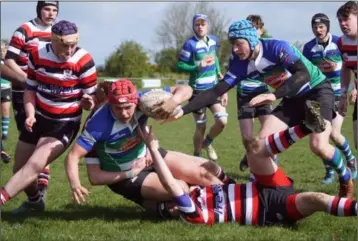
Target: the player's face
(320, 31)
(65, 47)
(124, 112)
(201, 28)
(348, 25)
(241, 48)
(48, 14)
(3, 50)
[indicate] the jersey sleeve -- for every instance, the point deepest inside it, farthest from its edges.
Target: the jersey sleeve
(284, 54)
(232, 75)
(31, 82)
(188, 210)
(88, 74)
(17, 44)
(305, 52)
(186, 52)
(92, 133)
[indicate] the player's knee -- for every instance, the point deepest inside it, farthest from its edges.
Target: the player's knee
(319, 146)
(221, 119)
(201, 124)
(252, 145)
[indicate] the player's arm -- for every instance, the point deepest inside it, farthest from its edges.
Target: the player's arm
(345, 80)
(299, 73)
(16, 46)
(31, 88)
(184, 64)
(88, 80)
(165, 176)
(71, 164)
(14, 77)
(181, 93)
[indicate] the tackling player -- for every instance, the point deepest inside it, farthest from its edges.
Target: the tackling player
(270, 200)
(296, 80)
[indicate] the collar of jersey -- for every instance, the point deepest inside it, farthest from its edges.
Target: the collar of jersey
(329, 39)
(259, 56)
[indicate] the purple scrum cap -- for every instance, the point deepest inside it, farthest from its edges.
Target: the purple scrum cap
(64, 28)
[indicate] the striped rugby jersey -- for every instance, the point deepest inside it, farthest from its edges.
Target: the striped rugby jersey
(271, 66)
(192, 53)
(224, 203)
(112, 144)
(348, 48)
(26, 37)
(328, 59)
(60, 85)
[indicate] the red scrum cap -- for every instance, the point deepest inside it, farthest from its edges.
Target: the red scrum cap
(122, 91)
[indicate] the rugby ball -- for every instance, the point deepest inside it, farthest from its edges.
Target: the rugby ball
(150, 98)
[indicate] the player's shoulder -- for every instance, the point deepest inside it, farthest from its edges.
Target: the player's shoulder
(101, 118)
(213, 37)
(310, 43)
(191, 41)
(335, 38)
(273, 43)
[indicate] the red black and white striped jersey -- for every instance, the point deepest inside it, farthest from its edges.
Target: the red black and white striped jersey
(27, 36)
(224, 203)
(60, 85)
(348, 48)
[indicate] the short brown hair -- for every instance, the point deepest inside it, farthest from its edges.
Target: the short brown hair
(349, 7)
(256, 21)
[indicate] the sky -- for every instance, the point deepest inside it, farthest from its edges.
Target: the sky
(104, 25)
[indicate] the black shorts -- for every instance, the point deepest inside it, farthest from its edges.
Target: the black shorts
(246, 112)
(202, 110)
(5, 95)
(274, 191)
(355, 111)
(19, 109)
(292, 110)
(64, 131)
(131, 188)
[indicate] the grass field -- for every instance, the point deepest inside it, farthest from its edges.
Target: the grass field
(107, 216)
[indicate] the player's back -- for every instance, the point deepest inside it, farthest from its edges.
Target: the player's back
(238, 203)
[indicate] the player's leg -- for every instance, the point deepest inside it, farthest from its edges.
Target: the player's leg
(319, 142)
(220, 121)
(5, 111)
(355, 126)
(200, 127)
(246, 127)
(304, 204)
(194, 170)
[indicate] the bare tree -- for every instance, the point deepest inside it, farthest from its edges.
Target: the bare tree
(177, 24)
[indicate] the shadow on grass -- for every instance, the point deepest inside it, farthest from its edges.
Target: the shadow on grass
(71, 213)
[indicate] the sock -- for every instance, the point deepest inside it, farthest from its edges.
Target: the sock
(44, 177)
(329, 169)
(4, 197)
(220, 174)
(5, 121)
(207, 141)
(336, 162)
(197, 154)
(281, 141)
(346, 150)
(35, 197)
(342, 207)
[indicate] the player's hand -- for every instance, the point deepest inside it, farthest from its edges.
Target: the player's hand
(138, 165)
(220, 76)
(207, 61)
(148, 138)
(262, 99)
(353, 96)
(164, 109)
(87, 102)
(342, 106)
(29, 122)
(79, 194)
(179, 113)
(148, 159)
(224, 99)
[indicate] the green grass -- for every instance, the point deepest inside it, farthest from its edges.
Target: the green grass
(108, 216)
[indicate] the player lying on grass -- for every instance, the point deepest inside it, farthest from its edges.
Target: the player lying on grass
(116, 156)
(270, 200)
